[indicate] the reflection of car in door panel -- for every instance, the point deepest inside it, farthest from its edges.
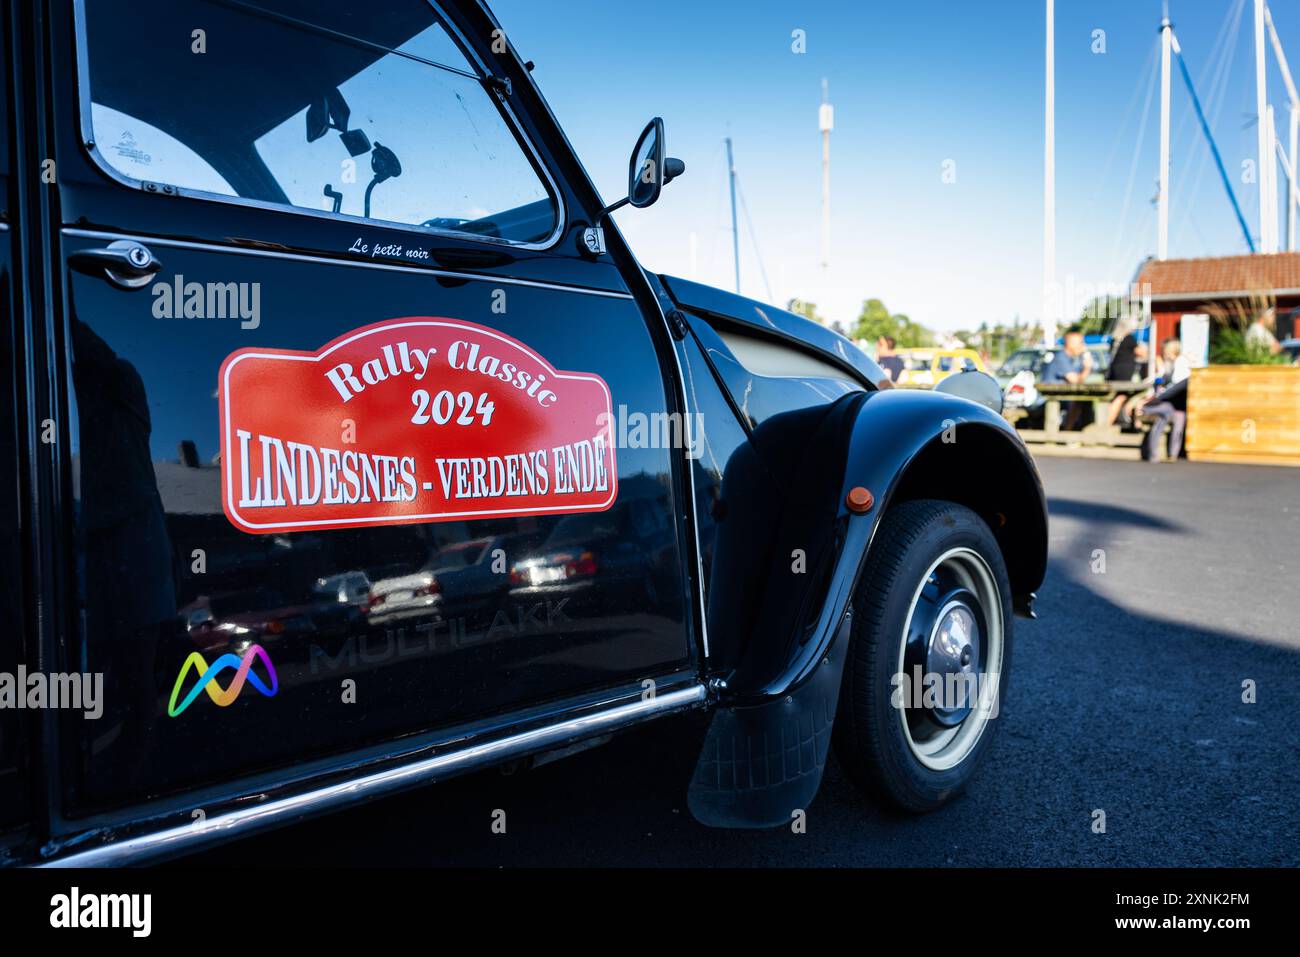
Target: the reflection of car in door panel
(269, 465)
(474, 575)
(396, 595)
(616, 555)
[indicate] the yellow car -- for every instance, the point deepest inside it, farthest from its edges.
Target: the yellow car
(926, 368)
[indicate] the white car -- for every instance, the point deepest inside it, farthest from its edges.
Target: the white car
(416, 594)
(1021, 391)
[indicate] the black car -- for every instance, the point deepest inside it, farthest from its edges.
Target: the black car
(334, 270)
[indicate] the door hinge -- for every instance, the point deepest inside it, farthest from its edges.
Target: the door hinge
(591, 241)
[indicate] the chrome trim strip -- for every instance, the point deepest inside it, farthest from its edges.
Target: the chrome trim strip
(678, 347)
(244, 821)
(338, 261)
(89, 144)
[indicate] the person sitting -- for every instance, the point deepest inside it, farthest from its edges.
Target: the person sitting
(1167, 404)
(1071, 365)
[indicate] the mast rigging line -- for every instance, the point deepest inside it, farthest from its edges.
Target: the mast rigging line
(1215, 95)
(1214, 149)
(753, 237)
(1153, 72)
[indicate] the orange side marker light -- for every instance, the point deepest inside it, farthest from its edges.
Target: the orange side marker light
(860, 500)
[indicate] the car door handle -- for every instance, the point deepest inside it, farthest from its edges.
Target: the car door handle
(125, 263)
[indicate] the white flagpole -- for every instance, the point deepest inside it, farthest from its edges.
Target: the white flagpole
(1261, 104)
(1049, 185)
(1162, 228)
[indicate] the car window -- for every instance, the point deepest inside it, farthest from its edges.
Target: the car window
(312, 105)
(1018, 362)
(143, 151)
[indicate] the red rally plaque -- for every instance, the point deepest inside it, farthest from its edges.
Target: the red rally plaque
(409, 420)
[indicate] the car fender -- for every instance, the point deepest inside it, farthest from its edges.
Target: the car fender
(767, 744)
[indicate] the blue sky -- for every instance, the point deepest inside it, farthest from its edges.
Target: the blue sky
(914, 85)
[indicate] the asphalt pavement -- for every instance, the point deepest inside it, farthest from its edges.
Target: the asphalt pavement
(1170, 586)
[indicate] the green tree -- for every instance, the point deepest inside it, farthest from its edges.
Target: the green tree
(875, 320)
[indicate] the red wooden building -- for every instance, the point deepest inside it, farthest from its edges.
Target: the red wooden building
(1180, 287)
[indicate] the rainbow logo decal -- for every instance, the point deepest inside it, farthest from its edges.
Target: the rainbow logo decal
(208, 678)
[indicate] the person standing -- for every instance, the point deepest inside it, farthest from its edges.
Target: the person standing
(886, 358)
(1260, 333)
(1125, 366)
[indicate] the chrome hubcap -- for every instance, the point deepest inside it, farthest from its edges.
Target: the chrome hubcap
(950, 659)
(953, 656)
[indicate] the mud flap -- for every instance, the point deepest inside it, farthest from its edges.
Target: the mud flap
(761, 763)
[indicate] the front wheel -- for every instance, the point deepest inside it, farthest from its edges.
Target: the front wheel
(928, 658)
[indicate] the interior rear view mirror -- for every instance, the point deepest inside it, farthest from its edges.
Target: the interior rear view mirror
(329, 111)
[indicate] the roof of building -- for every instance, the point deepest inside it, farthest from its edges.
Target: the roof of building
(1221, 276)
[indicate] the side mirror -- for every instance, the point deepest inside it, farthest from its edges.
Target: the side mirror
(648, 170)
(645, 175)
(974, 385)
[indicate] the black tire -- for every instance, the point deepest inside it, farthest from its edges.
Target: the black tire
(870, 737)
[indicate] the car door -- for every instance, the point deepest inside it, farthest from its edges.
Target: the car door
(327, 319)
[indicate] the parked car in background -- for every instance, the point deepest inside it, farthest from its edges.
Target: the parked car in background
(926, 368)
(1037, 358)
(1032, 359)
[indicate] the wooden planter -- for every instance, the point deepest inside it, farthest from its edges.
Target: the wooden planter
(1245, 414)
